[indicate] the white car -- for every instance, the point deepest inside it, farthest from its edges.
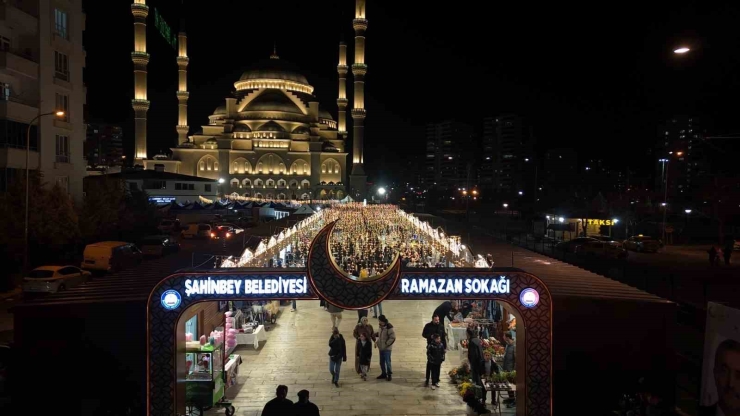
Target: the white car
(51, 279)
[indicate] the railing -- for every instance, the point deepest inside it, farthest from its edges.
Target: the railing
(22, 53)
(14, 99)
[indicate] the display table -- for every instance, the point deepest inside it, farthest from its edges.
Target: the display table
(456, 334)
(254, 338)
(232, 369)
(497, 389)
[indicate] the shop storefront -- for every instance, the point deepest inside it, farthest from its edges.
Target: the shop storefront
(174, 297)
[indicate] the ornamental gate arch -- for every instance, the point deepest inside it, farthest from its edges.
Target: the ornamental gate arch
(523, 291)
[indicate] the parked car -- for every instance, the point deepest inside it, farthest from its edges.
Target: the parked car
(642, 243)
(110, 256)
(168, 226)
(158, 245)
(604, 249)
(574, 245)
(196, 231)
(52, 279)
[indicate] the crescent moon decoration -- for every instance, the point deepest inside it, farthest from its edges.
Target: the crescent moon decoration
(333, 285)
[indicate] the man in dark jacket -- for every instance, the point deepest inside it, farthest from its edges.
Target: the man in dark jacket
(435, 357)
(430, 330)
(447, 309)
(279, 406)
(337, 355)
(475, 356)
(303, 407)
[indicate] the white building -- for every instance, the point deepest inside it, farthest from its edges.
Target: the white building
(165, 187)
(41, 62)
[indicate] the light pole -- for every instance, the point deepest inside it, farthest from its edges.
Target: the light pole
(381, 192)
(28, 154)
(665, 194)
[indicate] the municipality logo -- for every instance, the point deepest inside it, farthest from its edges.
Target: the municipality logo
(529, 298)
(171, 299)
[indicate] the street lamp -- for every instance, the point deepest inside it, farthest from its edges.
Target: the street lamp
(28, 153)
(681, 50)
(687, 211)
(381, 191)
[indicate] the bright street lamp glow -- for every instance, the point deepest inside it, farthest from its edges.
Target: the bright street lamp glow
(561, 219)
(221, 180)
(681, 50)
(688, 211)
(614, 221)
(60, 113)
(506, 205)
(381, 191)
(521, 193)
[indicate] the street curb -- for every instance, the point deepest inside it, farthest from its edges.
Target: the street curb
(15, 292)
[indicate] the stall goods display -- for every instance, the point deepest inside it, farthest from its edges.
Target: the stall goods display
(460, 374)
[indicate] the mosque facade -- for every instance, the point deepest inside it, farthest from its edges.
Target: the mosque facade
(270, 139)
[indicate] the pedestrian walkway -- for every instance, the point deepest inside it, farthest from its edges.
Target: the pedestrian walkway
(295, 355)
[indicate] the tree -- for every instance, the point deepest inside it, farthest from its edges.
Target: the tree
(112, 212)
(53, 227)
(102, 210)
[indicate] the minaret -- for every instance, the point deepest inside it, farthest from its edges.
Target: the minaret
(140, 103)
(358, 179)
(342, 99)
(182, 88)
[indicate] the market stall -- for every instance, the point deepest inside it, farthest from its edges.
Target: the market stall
(251, 335)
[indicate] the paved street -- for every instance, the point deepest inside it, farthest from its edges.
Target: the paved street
(295, 354)
(192, 253)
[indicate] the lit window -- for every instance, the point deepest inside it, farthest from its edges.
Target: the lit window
(60, 24)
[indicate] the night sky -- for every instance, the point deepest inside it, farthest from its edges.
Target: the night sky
(598, 79)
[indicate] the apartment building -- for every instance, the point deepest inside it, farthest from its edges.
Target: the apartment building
(41, 64)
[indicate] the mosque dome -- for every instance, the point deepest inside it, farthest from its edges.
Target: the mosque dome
(271, 126)
(274, 69)
(219, 110)
(273, 100)
(242, 128)
(301, 130)
(325, 114)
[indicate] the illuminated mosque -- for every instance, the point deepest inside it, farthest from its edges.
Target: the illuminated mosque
(271, 139)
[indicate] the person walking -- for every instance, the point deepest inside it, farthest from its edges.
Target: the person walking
(435, 357)
(376, 308)
(280, 405)
(303, 407)
(360, 314)
(430, 330)
(366, 354)
(385, 336)
(363, 328)
(337, 355)
(336, 315)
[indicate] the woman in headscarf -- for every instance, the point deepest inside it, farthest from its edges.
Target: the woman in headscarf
(362, 328)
